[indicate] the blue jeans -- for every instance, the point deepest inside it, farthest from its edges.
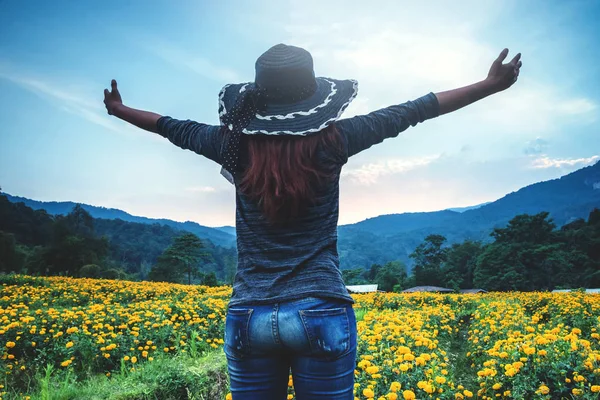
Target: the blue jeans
(315, 337)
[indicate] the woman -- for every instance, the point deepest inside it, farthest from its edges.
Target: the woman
(282, 144)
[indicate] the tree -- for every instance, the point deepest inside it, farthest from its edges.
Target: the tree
(230, 263)
(74, 244)
(526, 228)
(371, 274)
(392, 274)
(90, 271)
(210, 279)
(180, 259)
(429, 257)
(10, 259)
(354, 276)
(499, 268)
(527, 255)
(460, 263)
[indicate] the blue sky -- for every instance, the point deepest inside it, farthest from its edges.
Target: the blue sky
(57, 142)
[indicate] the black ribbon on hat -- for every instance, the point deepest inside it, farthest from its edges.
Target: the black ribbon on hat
(250, 102)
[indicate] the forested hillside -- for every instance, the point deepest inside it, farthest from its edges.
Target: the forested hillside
(530, 253)
(394, 237)
(36, 242)
(137, 241)
(219, 236)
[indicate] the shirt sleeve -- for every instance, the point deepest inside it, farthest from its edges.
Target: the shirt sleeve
(203, 139)
(363, 131)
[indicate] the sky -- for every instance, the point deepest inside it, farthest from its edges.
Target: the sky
(172, 57)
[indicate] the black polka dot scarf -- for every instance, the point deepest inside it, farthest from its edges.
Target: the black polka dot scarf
(251, 102)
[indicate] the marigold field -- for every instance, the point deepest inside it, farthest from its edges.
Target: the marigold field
(411, 346)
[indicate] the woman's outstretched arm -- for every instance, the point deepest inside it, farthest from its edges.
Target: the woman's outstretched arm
(114, 106)
(500, 77)
(203, 139)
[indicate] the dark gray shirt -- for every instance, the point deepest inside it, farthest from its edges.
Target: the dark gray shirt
(298, 259)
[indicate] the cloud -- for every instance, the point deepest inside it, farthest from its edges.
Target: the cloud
(181, 57)
(394, 61)
(368, 174)
(536, 146)
(449, 181)
(201, 189)
(576, 106)
(547, 162)
(71, 101)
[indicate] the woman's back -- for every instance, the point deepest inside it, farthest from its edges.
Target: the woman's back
(296, 257)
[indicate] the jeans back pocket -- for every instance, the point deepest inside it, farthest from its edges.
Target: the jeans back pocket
(237, 338)
(328, 331)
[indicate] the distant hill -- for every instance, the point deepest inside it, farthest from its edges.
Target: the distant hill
(215, 235)
(395, 236)
(227, 229)
(463, 209)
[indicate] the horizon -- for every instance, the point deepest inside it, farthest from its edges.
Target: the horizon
(229, 226)
(57, 142)
(453, 209)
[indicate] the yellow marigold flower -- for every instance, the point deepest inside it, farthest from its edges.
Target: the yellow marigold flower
(409, 395)
(497, 386)
(595, 388)
(69, 345)
(229, 396)
(395, 386)
(372, 369)
(467, 393)
(577, 392)
(368, 393)
(10, 345)
(544, 389)
(391, 396)
(65, 363)
(134, 359)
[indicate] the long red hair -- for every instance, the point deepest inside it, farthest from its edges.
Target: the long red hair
(283, 172)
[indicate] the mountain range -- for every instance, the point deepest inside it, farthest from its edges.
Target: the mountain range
(224, 236)
(395, 236)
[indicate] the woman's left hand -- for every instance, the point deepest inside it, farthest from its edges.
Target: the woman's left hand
(112, 99)
(502, 76)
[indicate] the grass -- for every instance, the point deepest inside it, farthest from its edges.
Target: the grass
(181, 377)
(360, 313)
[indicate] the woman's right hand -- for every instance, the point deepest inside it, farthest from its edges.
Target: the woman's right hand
(114, 106)
(112, 99)
(502, 76)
